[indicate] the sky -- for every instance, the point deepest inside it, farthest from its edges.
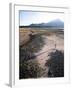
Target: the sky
(30, 17)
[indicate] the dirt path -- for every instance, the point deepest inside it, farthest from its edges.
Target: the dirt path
(51, 42)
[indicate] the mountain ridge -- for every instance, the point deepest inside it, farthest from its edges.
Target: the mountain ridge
(53, 23)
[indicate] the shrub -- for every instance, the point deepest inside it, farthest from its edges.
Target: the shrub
(25, 55)
(56, 64)
(29, 69)
(26, 52)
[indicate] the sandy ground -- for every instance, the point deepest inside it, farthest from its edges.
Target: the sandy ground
(24, 37)
(51, 43)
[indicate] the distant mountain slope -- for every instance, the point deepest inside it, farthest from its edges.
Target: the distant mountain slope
(55, 23)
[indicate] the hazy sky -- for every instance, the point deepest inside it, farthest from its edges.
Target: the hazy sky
(29, 17)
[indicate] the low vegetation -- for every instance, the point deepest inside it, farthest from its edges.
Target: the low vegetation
(30, 69)
(56, 64)
(35, 44)
(28, 50)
